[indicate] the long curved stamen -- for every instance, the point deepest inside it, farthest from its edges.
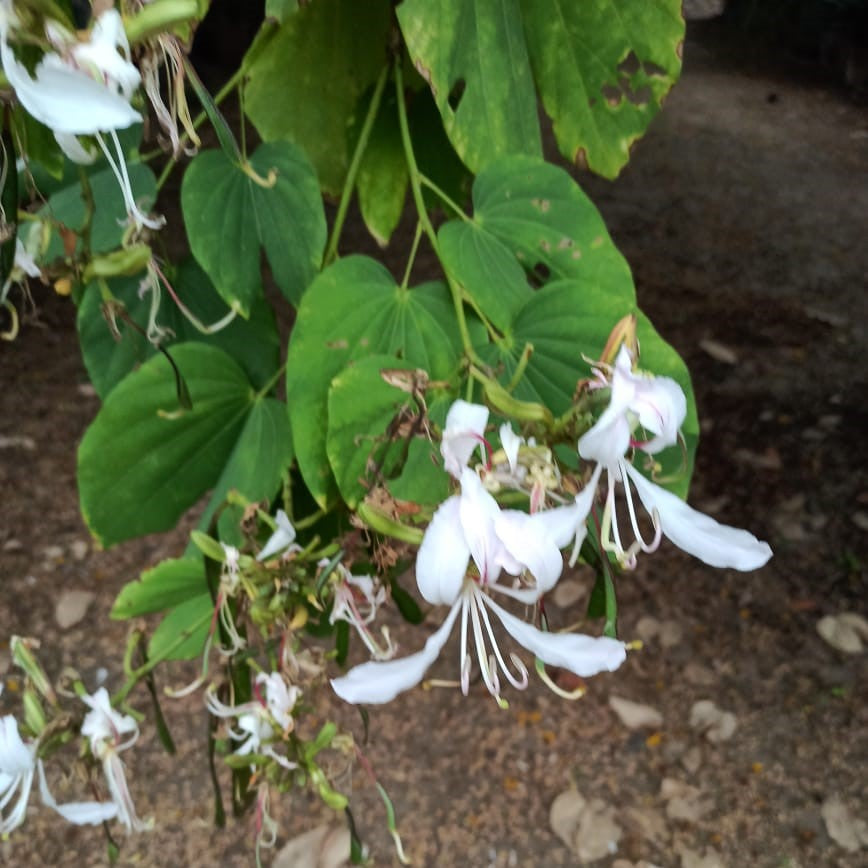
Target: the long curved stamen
(519, 683)
(119, 169)
(479, 640)
(655, 520)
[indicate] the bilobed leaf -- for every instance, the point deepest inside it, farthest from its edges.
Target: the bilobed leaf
(229, 215)
(305, 83)
(532, 215)
(143, 461)
(166, 585)
(552, 227)
(473, 55)
(602, 70)
(355, 309)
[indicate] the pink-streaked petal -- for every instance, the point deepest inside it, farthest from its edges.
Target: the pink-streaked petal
(581, 654)
(465, 426)
(661, 407)
(442, 560)
(478, 511)
(699, 535)
(377, 682)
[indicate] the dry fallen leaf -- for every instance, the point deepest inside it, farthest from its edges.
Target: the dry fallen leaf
(683, 802)
(719, 352)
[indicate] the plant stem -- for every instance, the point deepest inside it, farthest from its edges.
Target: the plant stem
(331, 250)
(416, 239)
(447, 200)
(224, 91)
(424, 219)
(137, 674)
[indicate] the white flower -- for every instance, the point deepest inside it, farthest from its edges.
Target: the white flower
(262, 720)
(465, 426)
(18, 763)
(356, 600)
(283, 537)
(84, 88)
(472, 526)
(106, 728)
(658, 406)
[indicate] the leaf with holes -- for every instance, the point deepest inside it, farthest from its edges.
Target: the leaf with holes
(142, 461)
(229, 214)
(304, 83)
(474, 57)
(532, 214)
(352, 310)
(603, 70)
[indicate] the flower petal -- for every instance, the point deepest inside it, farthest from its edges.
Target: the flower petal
(511, 442)
(282, 537)
(442, 560)
(79, 813)
(661, 407)
(65, 99)
(376, 682)
(478, 512)
(581, 654)
(465, 425)
(699, 535)
(529, 543)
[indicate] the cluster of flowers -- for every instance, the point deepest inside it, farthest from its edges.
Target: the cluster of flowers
(108, 733)
(643, 417)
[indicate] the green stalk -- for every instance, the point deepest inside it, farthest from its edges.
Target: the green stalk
(424, 219)
(331, 250)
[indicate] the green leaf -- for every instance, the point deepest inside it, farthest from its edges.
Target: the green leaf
(473, 55)
(382, 179)
(166, 585)
(487, 270)
(38, 143)
(280, 9)
(552, 227)
(142, 463)
(407, 606)
(362, 407)
(229, 215)
(355, 309)
(188, 622)
(255, 467)
(602, 70)
(305, 83)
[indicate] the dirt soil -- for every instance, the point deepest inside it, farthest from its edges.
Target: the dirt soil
(743, 214)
